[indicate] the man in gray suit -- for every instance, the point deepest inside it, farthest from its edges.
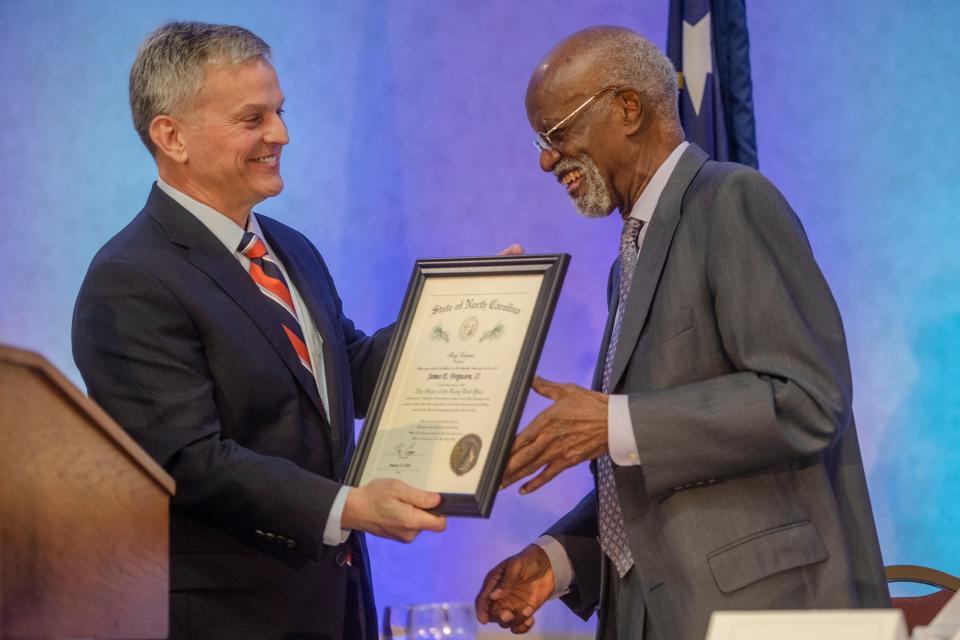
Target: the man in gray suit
(720, 429)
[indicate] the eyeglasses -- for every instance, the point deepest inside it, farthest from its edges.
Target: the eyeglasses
(543, 143)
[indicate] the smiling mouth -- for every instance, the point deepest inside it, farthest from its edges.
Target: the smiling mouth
(271, 159)
(570, 179)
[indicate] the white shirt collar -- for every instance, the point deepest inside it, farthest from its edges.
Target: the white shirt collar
(225, 229)
(647, 202)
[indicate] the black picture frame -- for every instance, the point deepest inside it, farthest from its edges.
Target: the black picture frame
(553, 268)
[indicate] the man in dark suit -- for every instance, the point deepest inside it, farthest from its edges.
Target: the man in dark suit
(216, 338)
(720, 428)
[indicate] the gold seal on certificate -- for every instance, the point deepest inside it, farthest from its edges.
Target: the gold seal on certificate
(465, 453)
(456, 376)
(468, 328)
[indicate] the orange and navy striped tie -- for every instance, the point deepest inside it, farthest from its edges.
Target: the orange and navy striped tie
(268, 277)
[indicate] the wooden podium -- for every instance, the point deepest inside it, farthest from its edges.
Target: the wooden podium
(83, 514)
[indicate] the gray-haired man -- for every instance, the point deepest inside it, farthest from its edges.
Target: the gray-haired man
(216, 338)
(720, 427)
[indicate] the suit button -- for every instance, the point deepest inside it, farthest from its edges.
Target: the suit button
(281, 539)
(291, 544)
(270, 537)
(341, 559)
(259, 533)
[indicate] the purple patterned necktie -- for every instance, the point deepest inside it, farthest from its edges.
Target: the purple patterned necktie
(613, 535)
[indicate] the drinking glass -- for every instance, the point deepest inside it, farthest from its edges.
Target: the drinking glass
(395, 618)
(441, 621)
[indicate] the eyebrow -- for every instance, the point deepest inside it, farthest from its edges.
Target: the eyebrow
(545, 125)
(253, 107)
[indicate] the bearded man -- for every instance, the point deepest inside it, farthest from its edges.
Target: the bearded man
(719, 428)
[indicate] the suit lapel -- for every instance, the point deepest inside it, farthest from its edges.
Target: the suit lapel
(653, 255)
(209, 255)
(300, 266)
(613, 284)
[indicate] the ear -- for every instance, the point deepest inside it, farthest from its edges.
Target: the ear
(630, 107)
(167, 135)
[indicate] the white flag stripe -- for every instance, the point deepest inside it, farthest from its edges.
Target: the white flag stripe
(697, 59)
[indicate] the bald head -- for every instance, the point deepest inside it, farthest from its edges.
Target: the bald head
(596, 57)
(604, 145)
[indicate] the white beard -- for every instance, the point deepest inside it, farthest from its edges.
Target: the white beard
(594, 200)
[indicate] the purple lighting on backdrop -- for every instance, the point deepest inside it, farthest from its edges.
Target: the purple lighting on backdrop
(408, 140)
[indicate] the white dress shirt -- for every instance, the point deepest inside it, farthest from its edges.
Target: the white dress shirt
(621, 437)
(230, 234)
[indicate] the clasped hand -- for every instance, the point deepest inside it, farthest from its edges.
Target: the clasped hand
(571, 430)
(515, 589)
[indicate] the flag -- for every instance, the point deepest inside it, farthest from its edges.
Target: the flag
(708, 44)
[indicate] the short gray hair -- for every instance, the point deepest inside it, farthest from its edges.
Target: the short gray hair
(625, 58)
(167, 73)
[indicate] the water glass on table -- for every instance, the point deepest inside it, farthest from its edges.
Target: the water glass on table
(437, 621)
(395, 618)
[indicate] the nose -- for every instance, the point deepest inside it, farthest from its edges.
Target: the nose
(549, 159)
(277, 131)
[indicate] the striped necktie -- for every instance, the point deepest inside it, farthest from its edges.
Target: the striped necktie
(269, 279)
(613, 534)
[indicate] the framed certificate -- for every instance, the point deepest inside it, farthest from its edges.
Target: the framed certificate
(456, 377)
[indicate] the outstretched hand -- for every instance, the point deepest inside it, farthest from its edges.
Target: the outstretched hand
(571, 430)
(514, 590)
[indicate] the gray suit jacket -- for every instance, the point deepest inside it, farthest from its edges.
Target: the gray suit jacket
(751, 492)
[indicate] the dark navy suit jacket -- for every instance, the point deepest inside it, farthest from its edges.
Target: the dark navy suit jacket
(176, 342)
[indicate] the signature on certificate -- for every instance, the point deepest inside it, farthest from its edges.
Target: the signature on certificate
(404, 451)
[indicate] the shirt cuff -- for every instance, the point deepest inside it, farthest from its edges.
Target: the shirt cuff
(621, 439)
(332, 533)
(560, 563)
